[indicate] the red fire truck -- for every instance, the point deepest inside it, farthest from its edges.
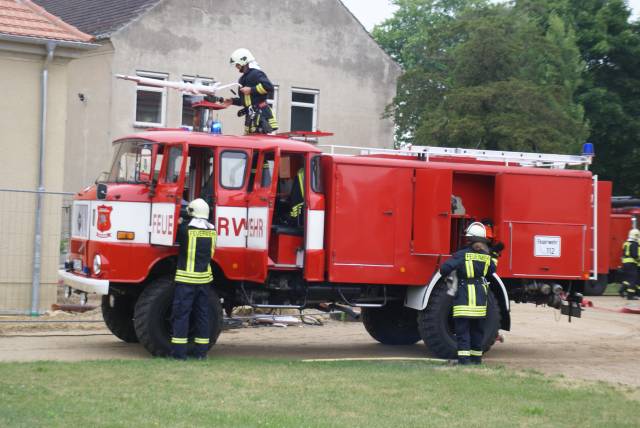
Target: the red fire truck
(375, 228)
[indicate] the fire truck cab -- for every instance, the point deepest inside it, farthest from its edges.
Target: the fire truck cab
(372, 232)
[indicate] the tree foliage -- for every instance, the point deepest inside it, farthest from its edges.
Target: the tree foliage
(539, 75)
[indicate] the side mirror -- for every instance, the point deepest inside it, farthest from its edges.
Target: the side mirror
(101, 191)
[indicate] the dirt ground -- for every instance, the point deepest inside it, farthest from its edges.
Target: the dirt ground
(603, 345)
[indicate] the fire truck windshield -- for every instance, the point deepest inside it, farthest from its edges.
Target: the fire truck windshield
(131, 163)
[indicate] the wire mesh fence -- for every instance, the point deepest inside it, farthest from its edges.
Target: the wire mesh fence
(18, 210)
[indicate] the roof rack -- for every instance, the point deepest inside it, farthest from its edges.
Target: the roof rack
(539, 160)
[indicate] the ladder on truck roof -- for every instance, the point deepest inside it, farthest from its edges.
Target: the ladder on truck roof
(540, 160)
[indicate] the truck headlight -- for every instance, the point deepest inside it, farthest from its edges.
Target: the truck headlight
(97, 264)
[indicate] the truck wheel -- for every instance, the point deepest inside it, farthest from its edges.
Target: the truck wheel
(435, 324)
(596, 288)
(393, 324)
(117, 312)
(153, 317)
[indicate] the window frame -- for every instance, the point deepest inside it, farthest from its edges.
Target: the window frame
(186, 78)
(244, 174)
(314, 106)
(163, 102)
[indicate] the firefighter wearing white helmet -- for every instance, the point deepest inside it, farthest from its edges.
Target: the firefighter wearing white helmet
(255, 88)
(197, 240)
(630, 262)
(472, 265)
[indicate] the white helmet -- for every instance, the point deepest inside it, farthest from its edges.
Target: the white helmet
(634, 235)
(198, 208)
(241, 57)
(476, 230)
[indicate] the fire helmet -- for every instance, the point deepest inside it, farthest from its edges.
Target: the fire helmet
(476, 230)
(634, 235)
(198, 208)
(241, 57)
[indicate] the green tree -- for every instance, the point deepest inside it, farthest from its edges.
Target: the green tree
(482, 75)
(610, 87)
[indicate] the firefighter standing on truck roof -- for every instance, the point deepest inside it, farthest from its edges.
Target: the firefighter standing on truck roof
(255, 87)
(630, 261)
(472, 265)
(197, 240)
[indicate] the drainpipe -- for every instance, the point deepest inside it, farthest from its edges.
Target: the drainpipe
(37, 242)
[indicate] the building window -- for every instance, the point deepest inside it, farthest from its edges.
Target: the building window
(272, 100)
(304, 109)
(189, 99)
(151, 101)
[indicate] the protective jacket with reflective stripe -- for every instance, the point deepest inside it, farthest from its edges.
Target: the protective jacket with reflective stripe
(260, 86)
(472, 267)
(630, 252)
(197, 245)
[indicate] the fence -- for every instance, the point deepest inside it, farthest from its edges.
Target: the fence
(18, 248)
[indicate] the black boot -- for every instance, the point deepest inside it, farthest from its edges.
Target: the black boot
(463, 361)
(476, 360)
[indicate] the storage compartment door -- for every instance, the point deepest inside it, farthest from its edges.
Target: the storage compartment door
(432, 211)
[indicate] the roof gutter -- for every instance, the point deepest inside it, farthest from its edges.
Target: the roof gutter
(37, 241)
(43, 41)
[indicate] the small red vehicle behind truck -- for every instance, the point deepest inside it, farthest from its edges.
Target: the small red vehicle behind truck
(375, 229)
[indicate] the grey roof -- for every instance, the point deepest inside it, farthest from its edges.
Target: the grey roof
(99, 18)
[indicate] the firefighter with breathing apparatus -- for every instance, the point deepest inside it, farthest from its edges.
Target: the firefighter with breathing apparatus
(472, 266)
(255, 87)
(197, 239)
(630, 261)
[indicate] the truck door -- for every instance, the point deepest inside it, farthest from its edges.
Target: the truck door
(167, 195)
(261, 202)
(432, 211)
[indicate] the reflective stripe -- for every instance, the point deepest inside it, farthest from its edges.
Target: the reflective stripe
(631, 290)
(495, 261)
(201, 341)
(628, 260)
(471, 289)
(247, 100)
(469, 266)
(469, 311)
(464, 353)
(476, 353)
(260, 89)
(179, 340)
(486, 267)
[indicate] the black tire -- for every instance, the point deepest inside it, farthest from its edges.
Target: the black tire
(393, 324)
(153, 317)
(435, 324)
(117, 312)
(596, 288)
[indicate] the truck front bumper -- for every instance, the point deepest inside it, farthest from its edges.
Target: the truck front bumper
(82, 283)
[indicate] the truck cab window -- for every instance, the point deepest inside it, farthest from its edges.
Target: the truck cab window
(174, 164)
(233, 165)
(267, 169)
(316, 177)
(131, 163)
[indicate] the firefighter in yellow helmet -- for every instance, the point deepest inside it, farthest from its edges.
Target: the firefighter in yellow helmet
(254, 91)
(630, 261)
(472, 265)
(197, 239)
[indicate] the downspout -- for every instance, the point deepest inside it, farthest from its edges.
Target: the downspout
(37, 242)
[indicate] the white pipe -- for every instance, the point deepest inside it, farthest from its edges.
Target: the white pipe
(37, 241)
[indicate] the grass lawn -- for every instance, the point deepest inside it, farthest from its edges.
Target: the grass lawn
(282, 393)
